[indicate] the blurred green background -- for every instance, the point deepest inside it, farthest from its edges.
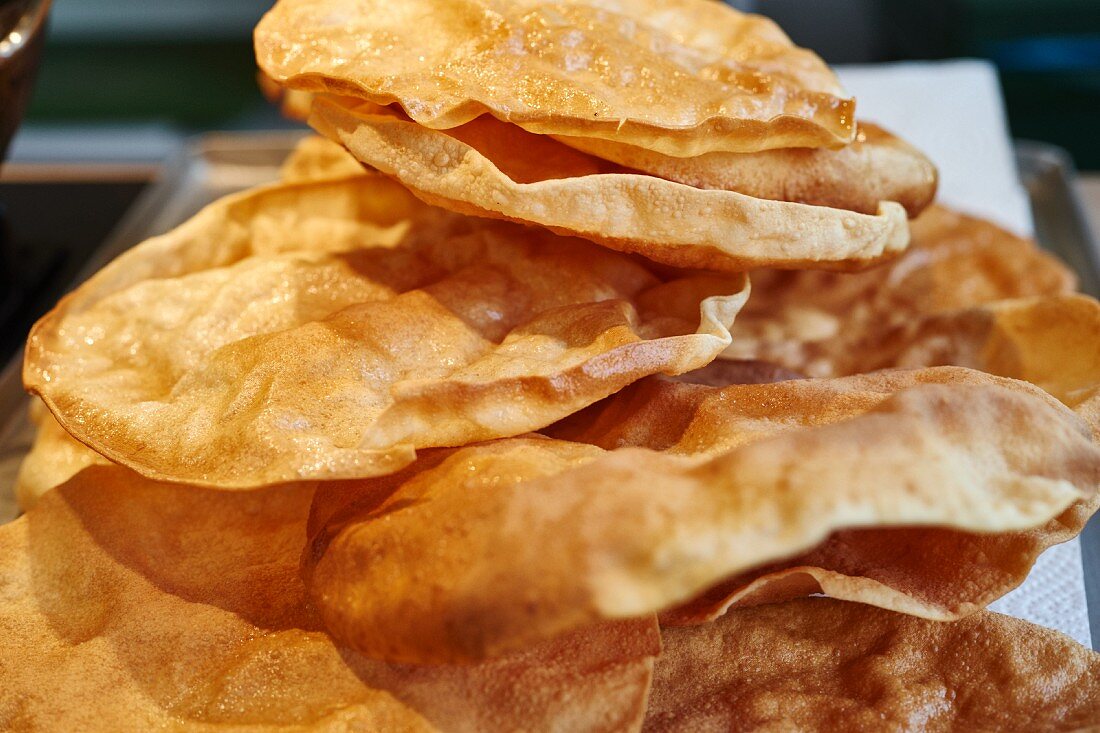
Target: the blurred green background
(189, 62)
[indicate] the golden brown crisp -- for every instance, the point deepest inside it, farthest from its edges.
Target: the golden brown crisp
(330, 329)
(828, 324)
(668, 489)
(823, 665)
(681, 77)
(875, 167)
(128, 605)
(316, 158)
(54, 458)
(493, 169)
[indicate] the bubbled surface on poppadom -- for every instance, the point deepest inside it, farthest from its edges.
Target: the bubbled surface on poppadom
(131, 605)
(829, 324)
(877, 166)
(673, 488)
(681, 77)
(823, 665)
(329, 329)
(492, 169)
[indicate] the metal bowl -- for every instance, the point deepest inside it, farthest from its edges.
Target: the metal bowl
(22, 35)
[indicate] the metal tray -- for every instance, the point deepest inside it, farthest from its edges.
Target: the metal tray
(1048, 174)
(215, 165)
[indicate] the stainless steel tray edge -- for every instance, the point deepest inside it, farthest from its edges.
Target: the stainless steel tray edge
(1048, 174)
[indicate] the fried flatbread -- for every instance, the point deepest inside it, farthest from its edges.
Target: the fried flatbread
(316, 158)
(330, 329)
(828, 324)
(875, 167)
(681, 77)
(54, 458)
(824, 665)
(131, 605)
(493, 169)
(668, 489)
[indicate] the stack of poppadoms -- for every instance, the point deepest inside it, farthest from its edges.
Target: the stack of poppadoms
(479, 428)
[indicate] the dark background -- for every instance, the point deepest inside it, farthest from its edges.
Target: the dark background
(189, 62)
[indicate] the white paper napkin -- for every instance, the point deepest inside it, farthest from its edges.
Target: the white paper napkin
(953, 111)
